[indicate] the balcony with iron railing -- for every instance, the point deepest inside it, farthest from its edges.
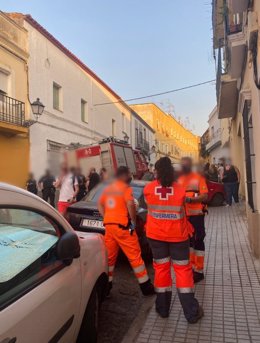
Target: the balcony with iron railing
(12, 111)
(214, 141)
(222, 67)
(226, 85)
(143, 145)
(233, 23)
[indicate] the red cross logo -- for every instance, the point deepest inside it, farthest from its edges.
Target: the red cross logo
(164, 192)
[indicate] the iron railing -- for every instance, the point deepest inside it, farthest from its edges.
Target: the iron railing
(249, 156)
(12, 111)
(233, 22)
(143, 145)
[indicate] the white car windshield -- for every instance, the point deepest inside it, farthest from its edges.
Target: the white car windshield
(24, 237)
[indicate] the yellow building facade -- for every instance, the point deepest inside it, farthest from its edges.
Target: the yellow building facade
(14, 104)
(171, 138)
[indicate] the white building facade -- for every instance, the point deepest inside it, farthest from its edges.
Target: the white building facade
(80, 108)
(218, 145)
(142, 135)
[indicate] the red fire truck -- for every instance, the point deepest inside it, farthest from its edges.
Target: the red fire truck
(110, 153)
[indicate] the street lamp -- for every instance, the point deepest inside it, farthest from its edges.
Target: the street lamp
(126, 137)
(37, 108)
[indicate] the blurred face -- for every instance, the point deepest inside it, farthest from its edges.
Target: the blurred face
(127, 178)
(64, 168)
(186, 166)
(73, 170)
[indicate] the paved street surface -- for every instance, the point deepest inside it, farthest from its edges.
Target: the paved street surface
(230, 294)
(124, 306)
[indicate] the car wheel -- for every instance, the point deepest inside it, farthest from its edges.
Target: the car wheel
(217, 200)
(89, 327)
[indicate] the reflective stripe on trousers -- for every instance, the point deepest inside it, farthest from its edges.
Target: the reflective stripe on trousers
(193, 212)
(162, 289)
(116, 238)
(141, 273)
(161, 260)
(197, 250)
(185, 290)
(181, 262)
(179, 253)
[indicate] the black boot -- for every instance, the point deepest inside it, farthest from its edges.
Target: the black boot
(147, 288)
(197, 277)
(162, 314)
(196, 318)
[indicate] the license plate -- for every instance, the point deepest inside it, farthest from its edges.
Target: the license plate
(93, 223)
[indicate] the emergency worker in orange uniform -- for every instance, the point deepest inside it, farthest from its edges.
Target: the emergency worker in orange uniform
(168, 231)
(118, 209)
(196, 194)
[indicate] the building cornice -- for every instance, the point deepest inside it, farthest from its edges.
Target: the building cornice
(136, 115)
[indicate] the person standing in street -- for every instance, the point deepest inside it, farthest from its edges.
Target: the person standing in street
(118, 209)
(104, 176)
(93, 179)
(168, 232)
(196, 195)
(82, 184)
(68, 185)
(46, 184)
(31, 184)
(231, 180)
(220, 171)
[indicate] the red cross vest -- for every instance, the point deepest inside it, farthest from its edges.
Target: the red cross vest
(166, 219)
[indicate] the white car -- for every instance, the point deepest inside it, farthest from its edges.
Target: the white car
(51, 278)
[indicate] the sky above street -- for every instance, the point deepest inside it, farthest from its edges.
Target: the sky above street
(139, 47)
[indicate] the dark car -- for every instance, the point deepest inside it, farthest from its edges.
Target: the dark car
(84, 215)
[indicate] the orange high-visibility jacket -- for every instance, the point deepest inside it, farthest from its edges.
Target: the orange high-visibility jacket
(195, 185)
(166, 219)
(114, 199)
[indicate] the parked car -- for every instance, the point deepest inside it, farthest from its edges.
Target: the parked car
(216, 195)
(51, 278)
(84, 216)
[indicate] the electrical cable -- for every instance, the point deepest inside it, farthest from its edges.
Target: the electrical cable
(157, 94)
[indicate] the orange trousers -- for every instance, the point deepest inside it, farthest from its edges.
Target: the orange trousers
(197, 245)
(116, 238)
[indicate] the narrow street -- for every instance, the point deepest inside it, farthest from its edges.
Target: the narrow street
(230, 294)
(119, 142)
(124, 305)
